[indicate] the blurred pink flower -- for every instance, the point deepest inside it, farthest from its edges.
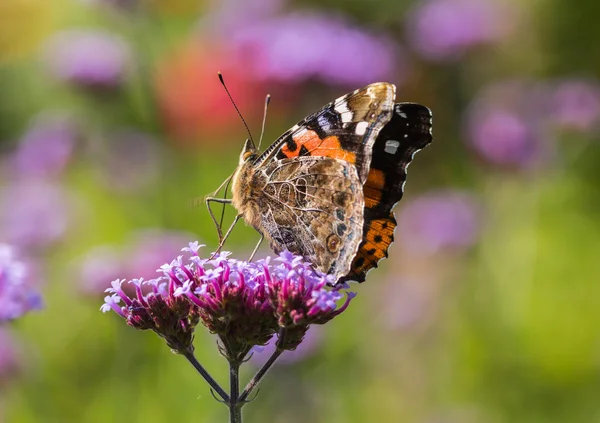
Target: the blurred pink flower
(575, 104)
(446, 29)
(440, 220)
(302, 46)
(46, 147)
(35, 213)
(90, 58)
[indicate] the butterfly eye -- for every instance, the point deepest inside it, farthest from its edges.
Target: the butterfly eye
(247, 155)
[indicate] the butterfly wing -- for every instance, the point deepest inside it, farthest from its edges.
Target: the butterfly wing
(344, 129)
(310, 205)
(408, 132)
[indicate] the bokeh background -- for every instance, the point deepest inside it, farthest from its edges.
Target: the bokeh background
(113, 126)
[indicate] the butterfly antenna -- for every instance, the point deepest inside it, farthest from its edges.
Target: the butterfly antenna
(234, 105)
(262, 131)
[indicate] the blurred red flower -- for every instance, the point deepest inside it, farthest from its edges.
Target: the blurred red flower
(194, 105)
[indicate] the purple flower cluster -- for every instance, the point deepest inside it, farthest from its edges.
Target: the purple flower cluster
(446, 29)
(244, 303)
(17, 297)
(301, 46)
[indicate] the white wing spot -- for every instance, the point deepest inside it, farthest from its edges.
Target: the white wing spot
(361, 128)
(345, 113)
(301, 132)
(391, 146)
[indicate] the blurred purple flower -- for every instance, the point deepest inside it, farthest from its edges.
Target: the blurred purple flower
(440, 220)
(46, 147)
(89, 58)
(145, 251)
(17, 295)
(504, 125)
(504, 137)
(36, 213)
(128, 160)
(575, 104)
(445, 29)
(302, 46)
(309, 347)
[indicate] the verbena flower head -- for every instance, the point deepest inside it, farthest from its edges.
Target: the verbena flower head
(244, 303)
(17, 297)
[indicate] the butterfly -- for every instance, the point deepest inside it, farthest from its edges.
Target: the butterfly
(325, 189)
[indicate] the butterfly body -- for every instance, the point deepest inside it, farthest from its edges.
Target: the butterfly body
(325, 189)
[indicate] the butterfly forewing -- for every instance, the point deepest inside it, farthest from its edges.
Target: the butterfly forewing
(344, 129)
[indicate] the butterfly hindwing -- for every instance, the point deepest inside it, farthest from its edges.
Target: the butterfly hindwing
(311, 206)
(408, 131)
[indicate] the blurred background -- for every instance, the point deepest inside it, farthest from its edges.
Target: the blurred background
(113, 126)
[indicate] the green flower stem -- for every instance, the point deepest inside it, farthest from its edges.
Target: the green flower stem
(265, 368)
(235, 406)
(207, 377)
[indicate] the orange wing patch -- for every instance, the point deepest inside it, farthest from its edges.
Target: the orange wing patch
(373, 188)
(308, 143)
(377, 240)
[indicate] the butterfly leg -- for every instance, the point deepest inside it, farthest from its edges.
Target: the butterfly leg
(226, 181)
(209, 200)
(256, 248)
(235, 220)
